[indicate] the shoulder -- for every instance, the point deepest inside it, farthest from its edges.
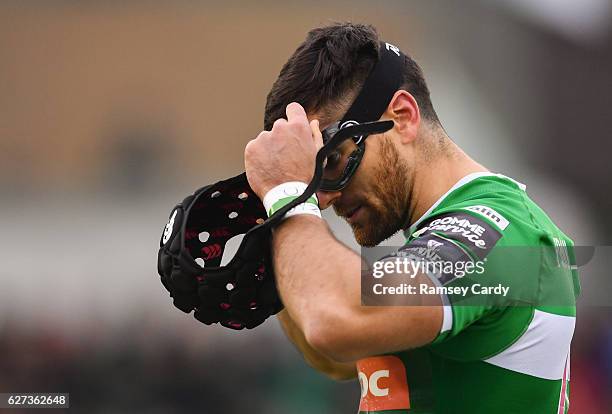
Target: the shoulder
(488, 211)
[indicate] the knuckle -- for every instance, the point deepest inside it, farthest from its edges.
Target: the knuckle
(296, 121)
(302, 126)
(250, 147)
(279, 123)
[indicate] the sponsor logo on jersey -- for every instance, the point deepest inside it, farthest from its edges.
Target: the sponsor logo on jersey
(424, 251)
(461, 225)
(499, 220)
(436, 248)
(432, 245)
(562, 253)
(383, 384)
(478, 235)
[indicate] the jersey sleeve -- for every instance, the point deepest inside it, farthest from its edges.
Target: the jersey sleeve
(460, 241)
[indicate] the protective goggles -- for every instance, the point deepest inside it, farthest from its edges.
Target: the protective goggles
(361, 119)
(344, 159)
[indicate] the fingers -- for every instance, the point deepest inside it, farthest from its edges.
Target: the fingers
(296, 113)
(316, 134)
(277, 124)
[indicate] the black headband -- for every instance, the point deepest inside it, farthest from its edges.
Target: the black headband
(378, 89)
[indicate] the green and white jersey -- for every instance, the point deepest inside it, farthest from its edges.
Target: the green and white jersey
(495, 353)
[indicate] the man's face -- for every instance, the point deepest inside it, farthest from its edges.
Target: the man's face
(376, 200)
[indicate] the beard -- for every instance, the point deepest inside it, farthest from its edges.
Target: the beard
(388, 207)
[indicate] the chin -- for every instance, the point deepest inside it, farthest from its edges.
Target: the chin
(376, 231)
(362, 237)
(373, 235)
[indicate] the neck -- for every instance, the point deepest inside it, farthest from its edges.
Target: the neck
(435, 179)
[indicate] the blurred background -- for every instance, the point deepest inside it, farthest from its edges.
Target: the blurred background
(111, 112)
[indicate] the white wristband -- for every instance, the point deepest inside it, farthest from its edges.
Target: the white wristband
(283, 194)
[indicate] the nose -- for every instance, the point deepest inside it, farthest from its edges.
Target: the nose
(327, 198)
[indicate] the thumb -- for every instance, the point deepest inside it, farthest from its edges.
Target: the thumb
(316, 134)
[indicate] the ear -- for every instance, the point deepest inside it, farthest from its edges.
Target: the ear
(404, 110)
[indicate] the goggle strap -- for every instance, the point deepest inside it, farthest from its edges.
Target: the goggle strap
(368, 128)
(380, 85)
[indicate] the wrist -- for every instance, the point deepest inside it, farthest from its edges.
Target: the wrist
(285, 193)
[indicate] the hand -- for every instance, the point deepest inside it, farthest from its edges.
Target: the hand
(287, 153)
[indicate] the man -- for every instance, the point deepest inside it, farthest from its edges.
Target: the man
(438, 355)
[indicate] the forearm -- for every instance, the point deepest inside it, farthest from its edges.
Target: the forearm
(319, 281)
(317, 276)
(336, 370)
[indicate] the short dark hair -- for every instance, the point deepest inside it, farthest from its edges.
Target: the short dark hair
(328, 69)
